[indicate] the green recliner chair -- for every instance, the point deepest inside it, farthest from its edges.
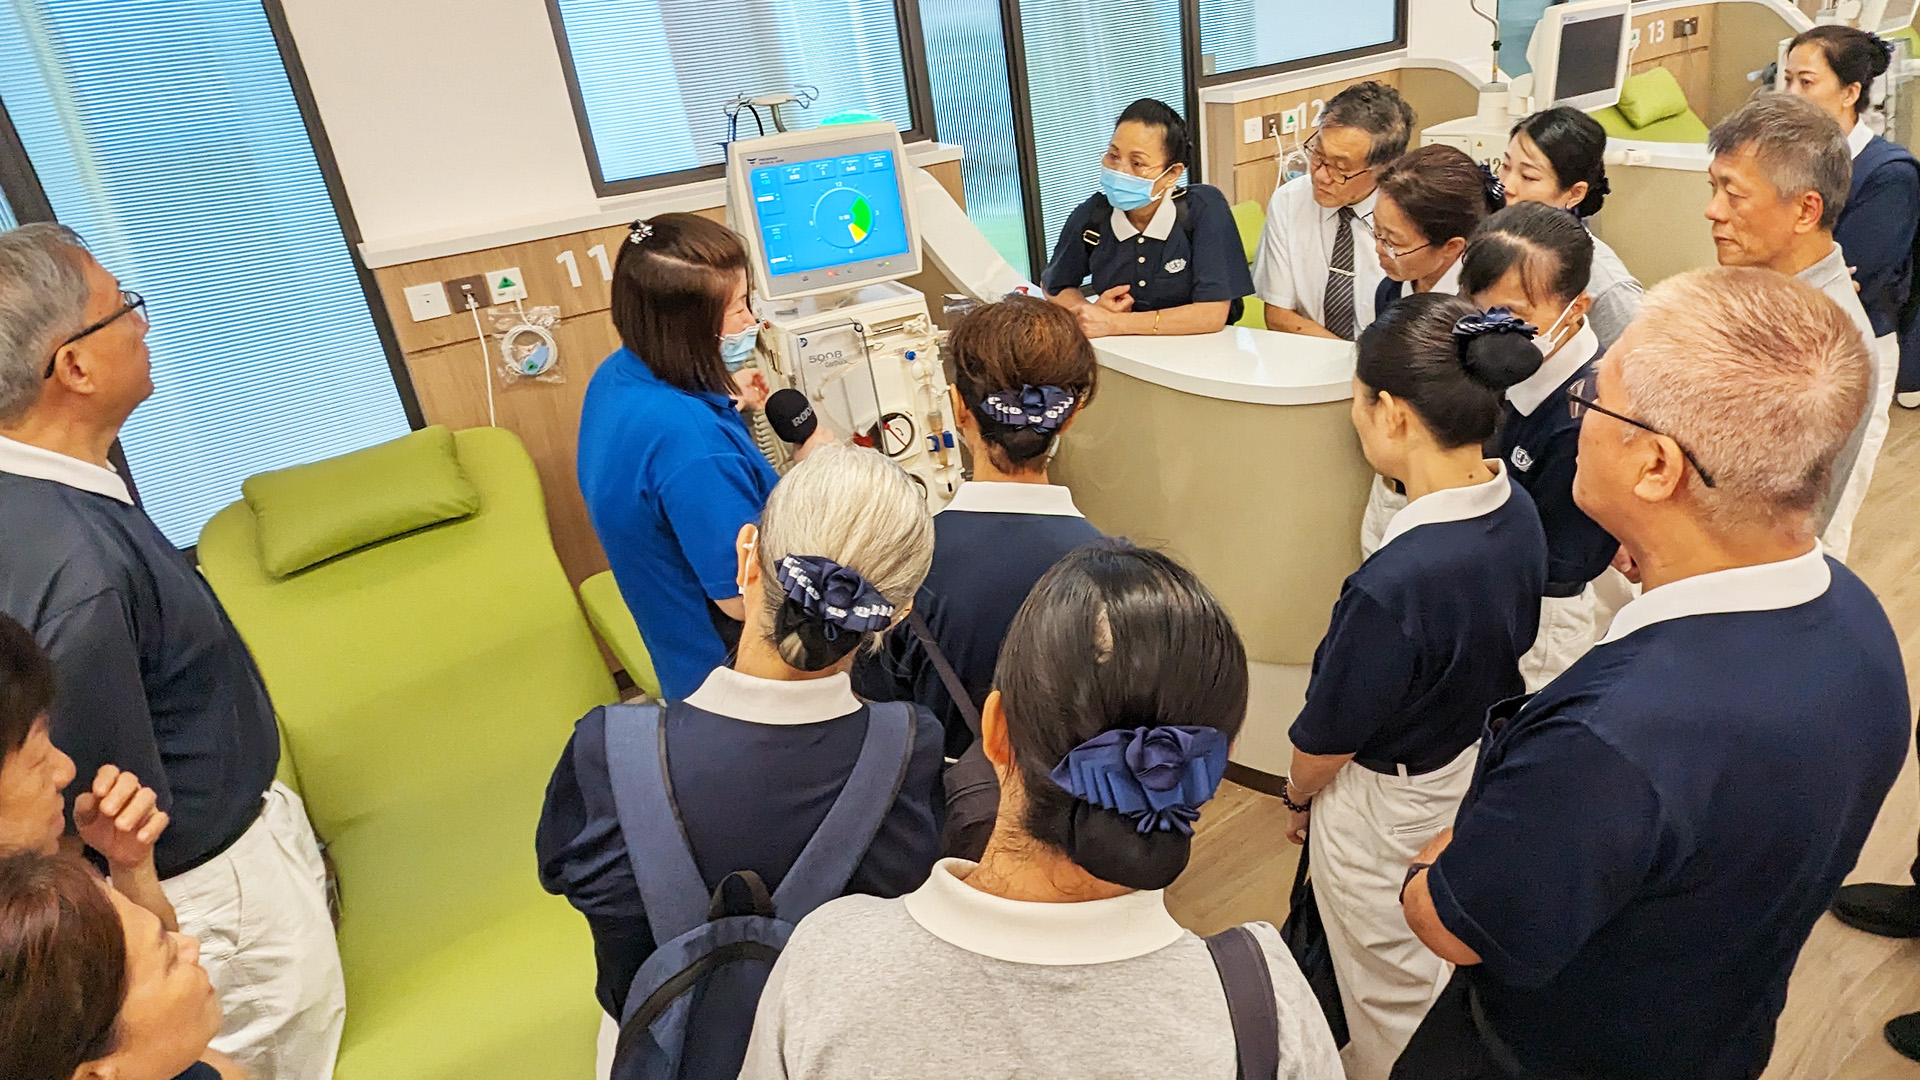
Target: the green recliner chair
(427, 659)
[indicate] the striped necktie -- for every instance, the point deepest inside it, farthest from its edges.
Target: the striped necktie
(1339, 300)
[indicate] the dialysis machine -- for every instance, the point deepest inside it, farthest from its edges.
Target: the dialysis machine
(830, 224)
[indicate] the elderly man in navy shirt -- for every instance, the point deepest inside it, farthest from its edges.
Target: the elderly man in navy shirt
(1649, 840)
(152, 676)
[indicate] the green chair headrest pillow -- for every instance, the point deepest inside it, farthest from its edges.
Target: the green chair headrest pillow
(310, 513)
(1651, 96)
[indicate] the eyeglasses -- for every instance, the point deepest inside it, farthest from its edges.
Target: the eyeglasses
(129, 302)
(1381, 241)
(1317, 161)
(1578, 403)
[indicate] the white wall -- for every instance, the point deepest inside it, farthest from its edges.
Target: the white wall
(1449, 30)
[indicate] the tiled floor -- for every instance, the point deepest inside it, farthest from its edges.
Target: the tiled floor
(1847, 984)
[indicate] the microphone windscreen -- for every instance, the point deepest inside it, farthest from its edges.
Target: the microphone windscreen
(791, 416)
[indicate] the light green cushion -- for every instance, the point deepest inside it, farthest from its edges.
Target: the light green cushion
(311, 513)
(1250, 218)
(607, 611)
(1685, 128)
(1650, 97)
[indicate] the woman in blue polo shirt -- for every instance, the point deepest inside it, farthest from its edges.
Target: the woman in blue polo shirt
(1532, 260)
(1425, 637)
(1145, 255)
(667, 465)
(760, 751)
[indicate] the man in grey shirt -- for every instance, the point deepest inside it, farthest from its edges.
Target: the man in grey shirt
(1780, 172)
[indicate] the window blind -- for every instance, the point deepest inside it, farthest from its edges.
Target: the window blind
(1240, 34)
(973, 106)
(7, 220)
(1083, 68)
(655, 77)
(168, 136)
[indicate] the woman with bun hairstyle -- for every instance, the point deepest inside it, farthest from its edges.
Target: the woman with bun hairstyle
(1557, 157)
(1120, 687)
(1531, 260)
(1835, 67)
(758, 753)
(1425, 637)
(1021, 371)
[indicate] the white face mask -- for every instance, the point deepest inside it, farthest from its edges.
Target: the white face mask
(1545, 341)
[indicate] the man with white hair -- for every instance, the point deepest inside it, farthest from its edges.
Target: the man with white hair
(1648, 841)
(152, 676)
(1781, 170)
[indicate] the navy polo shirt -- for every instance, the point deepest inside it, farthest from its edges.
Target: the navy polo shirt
(1190, 252)
(1389, 291)
(669, 477)
(751, 791)
(1649, 840)
(1541, 447)
(1429, 632)
(152, 677)
(991, 545)
(1876, 229)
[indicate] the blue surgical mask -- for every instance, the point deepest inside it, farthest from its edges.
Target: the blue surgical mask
(736, 350)
(1126, 191)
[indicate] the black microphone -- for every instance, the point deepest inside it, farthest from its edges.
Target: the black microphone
(790, 415)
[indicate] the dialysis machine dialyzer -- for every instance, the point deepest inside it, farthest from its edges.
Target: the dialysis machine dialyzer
(829, 220)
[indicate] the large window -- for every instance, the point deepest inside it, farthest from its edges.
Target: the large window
(973, 103)
(1241, 36)
(169, 137)
(652, 79)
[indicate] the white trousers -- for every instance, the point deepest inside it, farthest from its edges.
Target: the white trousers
(1569, 626)
(1382, 503)
(260, 911)
(1838, 535)
(1366, 828)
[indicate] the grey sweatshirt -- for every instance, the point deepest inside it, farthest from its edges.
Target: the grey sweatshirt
(950, 982)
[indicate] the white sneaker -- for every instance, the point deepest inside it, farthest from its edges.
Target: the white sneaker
(1909, 400)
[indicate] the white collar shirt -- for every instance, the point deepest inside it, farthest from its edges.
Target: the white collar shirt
(1765, 587)
(22, 459)
(1026, 932)
(1527, 394)
(1858, 138)
(1451, 504)
(1003, 497)
(1159, 228)
(775, 702)
(1290, 269)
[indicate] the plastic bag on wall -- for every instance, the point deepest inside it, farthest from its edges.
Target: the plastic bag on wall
(526, 347)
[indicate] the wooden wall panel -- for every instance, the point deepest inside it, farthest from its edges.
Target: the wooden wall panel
(1689, 58)
(443, 358)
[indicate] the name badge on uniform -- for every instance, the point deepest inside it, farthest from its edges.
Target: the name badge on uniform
(1176, 266)
(1521, 459)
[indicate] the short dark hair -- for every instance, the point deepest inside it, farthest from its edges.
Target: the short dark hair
(1114, 637)
(1575, 145)
(1550, 248)
(1020, 341)
(26, 686)
(1441, 190)
(1798, 146)
(670, 296)
(1378, 110)
(63, 967)
(1856, 56)
(1173, 130)
(1410, 352)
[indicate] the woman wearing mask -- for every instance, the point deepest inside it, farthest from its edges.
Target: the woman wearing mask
(667, 465)
(1835, 67)
(1555, 157)
(760, 751)
(1430, 200)
(93, 987)
(1146, 255)
(1531, 260)
(1121, 684)
(1425, 637)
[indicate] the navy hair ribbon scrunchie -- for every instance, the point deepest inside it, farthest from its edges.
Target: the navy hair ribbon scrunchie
(1158, 776)
(1496, 191)
(834, 596)
(1495, 321)
(1042, 408)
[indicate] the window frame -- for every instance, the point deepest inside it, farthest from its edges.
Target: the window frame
(913, 52)
(1401, 17)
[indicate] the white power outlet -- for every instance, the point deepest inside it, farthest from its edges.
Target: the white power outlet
(506, 286)
(1292, 120)
(1250, 129)
(1633, 39)
(428, 301)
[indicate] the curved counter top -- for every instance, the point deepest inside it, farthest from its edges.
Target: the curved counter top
(1259, 367)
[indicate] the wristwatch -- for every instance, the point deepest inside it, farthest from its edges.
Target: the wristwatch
(1298, 808)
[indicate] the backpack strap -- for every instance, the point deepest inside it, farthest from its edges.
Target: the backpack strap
(1250, 1006)
(671, 888)
(828, 861)
(949, 678)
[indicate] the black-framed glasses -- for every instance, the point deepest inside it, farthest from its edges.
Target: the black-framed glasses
(1317, 161)
(130, 302)
(1578, 403)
